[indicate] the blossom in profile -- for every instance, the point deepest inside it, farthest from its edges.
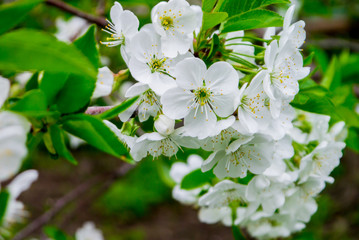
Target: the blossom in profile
(175, 21)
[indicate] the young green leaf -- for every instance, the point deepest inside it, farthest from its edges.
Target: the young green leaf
(83, 86)
(88, 46)
(258, 18)
(234, 7)
(76, 94)
(214, 47)
(95, 132)
(196, 179)
(113, 112)
(45, 51)
(12, 14)
(51, 84)
(32, 104)
(54, 233)
(237, 235)
(4, 198)
(211, 20)
(58, 140)
(208, 5)
(33, 82)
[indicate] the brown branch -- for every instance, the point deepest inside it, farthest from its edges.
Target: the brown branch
(68, 198)
(100, 21)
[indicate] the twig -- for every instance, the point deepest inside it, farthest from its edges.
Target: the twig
(100, 21)
(65, 200)
(97, 110)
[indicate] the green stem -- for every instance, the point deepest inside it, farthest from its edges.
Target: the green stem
(244, 69)
(246, 44)
(251, 38)
(245, 55)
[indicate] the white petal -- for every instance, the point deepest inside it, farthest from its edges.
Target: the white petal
(140, 70)
(288, 17)
(136, 89)
(200, 124)
(190, 72)
(22, 182)
(221, 77)
(4, 90)
(176, 103)
(223, 105)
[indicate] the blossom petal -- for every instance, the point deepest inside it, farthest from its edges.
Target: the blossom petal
(176, 103)
(190, 73)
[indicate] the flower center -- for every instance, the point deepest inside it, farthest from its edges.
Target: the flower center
(166, 22)
(202, 95)
(157, 65)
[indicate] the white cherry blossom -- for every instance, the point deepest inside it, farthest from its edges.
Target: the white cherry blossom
(222, 194)
(294, 33)
(178, 171)
(4, 90)
(104, 83)
(89, 232)
(68, 31)
(253, 107)
(157, 144)
(13, 135)
(251, 153)
(175, 21)
(148, 63)
(284, 67)
(321, 161)
(148, 103)
(122, 29)
(15, 210)
(201, 95)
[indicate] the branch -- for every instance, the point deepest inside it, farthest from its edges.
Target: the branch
(68, 198)
(97, 110)
(100, 21)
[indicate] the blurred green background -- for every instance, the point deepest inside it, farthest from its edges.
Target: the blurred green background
(139, 205)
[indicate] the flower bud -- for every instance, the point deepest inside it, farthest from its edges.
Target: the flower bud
(165, 125)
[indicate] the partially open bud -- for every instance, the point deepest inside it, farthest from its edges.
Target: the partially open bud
(165, 125)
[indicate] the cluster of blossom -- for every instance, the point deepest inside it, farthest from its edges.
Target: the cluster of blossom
(274, 160)
(281, 200)
(13, 134)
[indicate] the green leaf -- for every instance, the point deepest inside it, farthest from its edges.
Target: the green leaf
(88, 46)
(196, 179)
(95, 132)
(33, 82)
(352, 140)
(27, 49)
(237, 235)
(32, 104)
(54, 233)
(58, 140)
(234, 7)
(211, 20)
(83, 86)
(310, 100)
(309, 59)
(208, 5)
(12, 14)
(4, 198)
(331, 78)
(113, 112)
(214, 47)
(258, 18)
(51, 84)
(76, 94)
